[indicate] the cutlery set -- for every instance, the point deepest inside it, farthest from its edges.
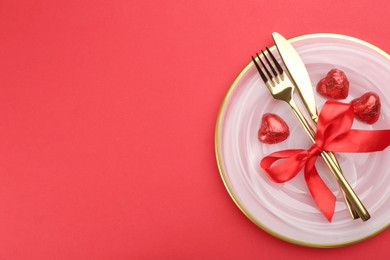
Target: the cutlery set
(282, 84)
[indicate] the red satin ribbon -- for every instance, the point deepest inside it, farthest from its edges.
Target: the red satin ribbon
(333, 134)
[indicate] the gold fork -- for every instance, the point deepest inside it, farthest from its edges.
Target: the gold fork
(281, 88)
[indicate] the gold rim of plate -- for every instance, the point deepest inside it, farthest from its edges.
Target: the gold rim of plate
(219, 159)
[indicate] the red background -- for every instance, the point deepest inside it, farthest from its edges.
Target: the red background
(107, 119)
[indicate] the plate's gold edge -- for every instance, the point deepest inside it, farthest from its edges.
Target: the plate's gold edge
(219, 159)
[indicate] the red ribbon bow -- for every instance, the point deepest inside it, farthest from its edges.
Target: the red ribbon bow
(333, 134)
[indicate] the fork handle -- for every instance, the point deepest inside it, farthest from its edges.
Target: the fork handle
(350, 194)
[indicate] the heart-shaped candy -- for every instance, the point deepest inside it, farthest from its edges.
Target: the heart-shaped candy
(273, 129)
(367, 108)
(335, 85)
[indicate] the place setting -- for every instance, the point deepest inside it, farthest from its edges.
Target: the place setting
(301, 139)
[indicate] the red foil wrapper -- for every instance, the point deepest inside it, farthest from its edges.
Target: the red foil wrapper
(367, 108)
(273, 129)
(335, 85)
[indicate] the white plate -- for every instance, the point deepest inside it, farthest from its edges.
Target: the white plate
(287, 210)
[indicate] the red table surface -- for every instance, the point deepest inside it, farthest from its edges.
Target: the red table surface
(107, 119)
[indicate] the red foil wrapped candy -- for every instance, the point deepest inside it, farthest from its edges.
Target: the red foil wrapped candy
(335, 85)
(273, 129)
(367, 108)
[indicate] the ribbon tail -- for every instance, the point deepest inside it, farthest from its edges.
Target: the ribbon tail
(321, 194)
(362, 141)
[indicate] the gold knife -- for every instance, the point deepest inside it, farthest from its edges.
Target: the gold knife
(300, 78)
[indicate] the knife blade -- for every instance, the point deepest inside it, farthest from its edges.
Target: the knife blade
(301, 79)
(299, 75)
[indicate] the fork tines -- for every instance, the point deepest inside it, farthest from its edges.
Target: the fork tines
(267, 71)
